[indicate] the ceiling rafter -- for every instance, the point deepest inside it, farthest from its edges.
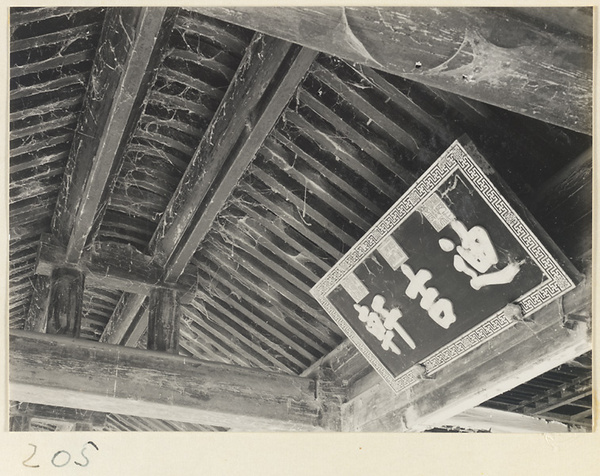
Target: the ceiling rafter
(121, 77)
(122, 73)
(261, 88)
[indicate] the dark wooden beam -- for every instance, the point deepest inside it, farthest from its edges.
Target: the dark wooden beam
(113, 266)
(129, 53)
(131, 46)
(123, 317)
(266, 79)
(263, 85)
(54, 370)
(66, 302)
(163, 321)
(492, 55)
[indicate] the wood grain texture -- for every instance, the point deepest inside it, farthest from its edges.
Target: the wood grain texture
(163, 321)
(237, 130)
(121, 76)
(486, 54)
(65, 302)
(52, 370)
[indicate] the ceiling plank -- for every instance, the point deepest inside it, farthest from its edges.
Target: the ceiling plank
(122, 73)
(543, 74)
(54, 370)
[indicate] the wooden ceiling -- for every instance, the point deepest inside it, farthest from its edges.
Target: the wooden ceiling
(236, 168)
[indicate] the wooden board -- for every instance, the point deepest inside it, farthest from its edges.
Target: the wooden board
(432, 279)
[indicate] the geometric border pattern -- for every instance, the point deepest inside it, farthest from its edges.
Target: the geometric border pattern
(557, 282)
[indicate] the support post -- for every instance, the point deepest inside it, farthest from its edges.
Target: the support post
(66, 302)
(163, 321)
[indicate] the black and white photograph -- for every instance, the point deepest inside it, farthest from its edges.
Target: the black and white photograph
(299, 219)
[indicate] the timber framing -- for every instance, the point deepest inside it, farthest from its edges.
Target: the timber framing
(121, 76)
(264, 83)
(54, 370)
(114, 266)
(180, 178)
(447, 48)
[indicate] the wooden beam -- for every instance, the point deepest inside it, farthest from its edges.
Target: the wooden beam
(131, 45)
(263, 85)
(38, 308)
(54, 370)
(266, 79)
(137, 329)
(129, 54)
(492, 55)
(66, 302)
(124, 315)
(163, 321)
(71, 415)
(113, 266)
(498, 421)
(513, 357)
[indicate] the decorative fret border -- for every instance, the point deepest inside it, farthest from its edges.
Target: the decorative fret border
(455, 157)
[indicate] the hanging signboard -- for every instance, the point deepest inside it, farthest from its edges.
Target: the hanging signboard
(437, 275)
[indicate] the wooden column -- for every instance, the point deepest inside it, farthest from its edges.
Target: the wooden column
(66, 302)
(163, 321)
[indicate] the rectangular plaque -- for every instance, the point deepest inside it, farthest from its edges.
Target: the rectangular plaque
(431, 279)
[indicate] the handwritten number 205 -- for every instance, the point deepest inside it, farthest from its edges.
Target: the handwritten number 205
(58, 460)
